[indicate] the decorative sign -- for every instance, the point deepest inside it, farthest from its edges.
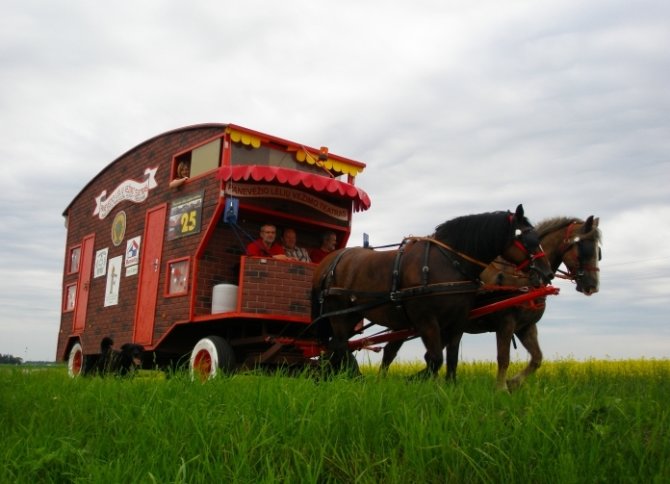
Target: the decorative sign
(132, 270)
(285, 193)
(133, 251)
(101, 262)
(132, 190)
(113, 281)
(119, 228)
(185, 216)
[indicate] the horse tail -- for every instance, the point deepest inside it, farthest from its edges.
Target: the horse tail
(317, 294)
(316, 302)
(322, 324)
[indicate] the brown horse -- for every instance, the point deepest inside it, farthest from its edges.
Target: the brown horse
(428, 283)
(571, 241)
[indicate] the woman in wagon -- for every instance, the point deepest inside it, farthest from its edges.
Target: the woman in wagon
(266, 245)
(328, 244)
(183, 172)
(292, 251)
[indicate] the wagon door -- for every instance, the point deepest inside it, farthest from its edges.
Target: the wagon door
(149, 276)
(83, 284)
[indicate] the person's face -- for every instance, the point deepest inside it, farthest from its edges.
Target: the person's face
(289, 239)
(268, 234)
(182, 170)
(330, 242)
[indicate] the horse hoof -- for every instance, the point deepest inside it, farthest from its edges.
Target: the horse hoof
(421, 375)
(513, 385)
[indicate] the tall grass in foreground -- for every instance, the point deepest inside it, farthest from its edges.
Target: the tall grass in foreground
(595, 421)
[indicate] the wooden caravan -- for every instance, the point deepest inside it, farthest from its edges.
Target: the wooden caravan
(159, 260)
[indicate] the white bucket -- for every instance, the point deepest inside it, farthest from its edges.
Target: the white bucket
(224, 298)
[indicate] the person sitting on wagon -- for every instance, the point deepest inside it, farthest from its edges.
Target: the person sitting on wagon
(291, 250)
(328, 244)
(183, 172)
(265, 245)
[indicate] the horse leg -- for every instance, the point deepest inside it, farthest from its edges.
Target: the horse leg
(388, 355)
(430, 335)
(528, 338)
(341, 358)
(504, 335)
(453, 342)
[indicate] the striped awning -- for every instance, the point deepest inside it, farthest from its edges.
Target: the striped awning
(295, 178)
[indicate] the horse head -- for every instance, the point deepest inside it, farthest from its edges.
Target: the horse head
(581, 254)
(525, 251)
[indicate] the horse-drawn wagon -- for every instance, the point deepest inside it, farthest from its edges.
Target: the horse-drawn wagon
(158, 259)
(163, 264)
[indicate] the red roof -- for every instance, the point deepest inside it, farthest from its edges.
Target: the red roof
(294, 178)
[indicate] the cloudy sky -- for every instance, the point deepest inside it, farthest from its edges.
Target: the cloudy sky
(457, 107)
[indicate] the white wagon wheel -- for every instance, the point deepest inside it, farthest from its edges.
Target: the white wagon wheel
(210, 356)
(75, 361)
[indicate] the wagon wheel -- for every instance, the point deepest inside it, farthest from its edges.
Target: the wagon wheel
(210, 356)
(75, 361)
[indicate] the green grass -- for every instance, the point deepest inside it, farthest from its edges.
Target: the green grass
(595, 421)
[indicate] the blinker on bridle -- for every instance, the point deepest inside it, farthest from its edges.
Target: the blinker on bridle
(521, 245)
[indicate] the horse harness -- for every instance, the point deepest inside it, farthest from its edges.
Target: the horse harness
(568, 241)
(399, 296)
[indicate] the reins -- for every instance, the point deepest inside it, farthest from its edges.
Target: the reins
(413, 238)
(447, 247)
(395, 295)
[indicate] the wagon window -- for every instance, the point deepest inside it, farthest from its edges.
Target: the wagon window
(73, 259)
(70, 297)
(177, 284)
(205, 157)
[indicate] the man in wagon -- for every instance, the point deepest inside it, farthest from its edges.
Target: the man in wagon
(328, 244)
(266, 245)
(291, 249)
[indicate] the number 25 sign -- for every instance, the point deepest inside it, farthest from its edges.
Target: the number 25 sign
(185, 216)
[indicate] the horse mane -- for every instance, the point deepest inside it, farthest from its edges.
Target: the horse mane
(557, 223)
(482, 234)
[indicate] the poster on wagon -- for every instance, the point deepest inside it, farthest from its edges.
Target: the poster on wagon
(185, 216)
(133, 251)
(113, 281)
(101, 262)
